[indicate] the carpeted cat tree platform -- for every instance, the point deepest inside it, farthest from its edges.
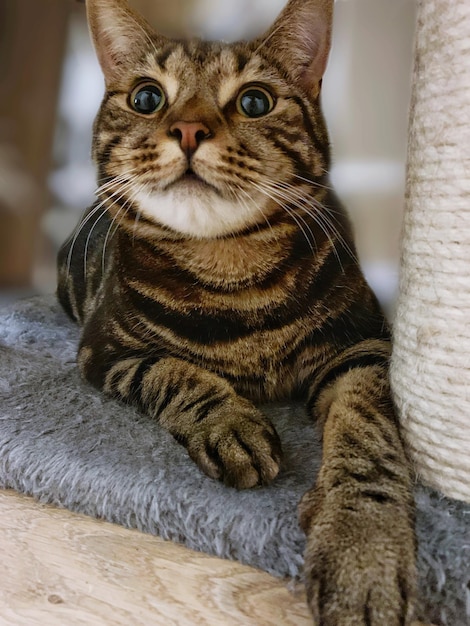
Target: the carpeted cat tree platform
(66, 444)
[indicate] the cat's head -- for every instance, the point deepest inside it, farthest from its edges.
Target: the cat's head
(209, 139)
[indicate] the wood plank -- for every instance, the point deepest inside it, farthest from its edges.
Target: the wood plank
(61, 568)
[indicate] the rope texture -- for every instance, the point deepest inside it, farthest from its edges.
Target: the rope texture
(430, 371)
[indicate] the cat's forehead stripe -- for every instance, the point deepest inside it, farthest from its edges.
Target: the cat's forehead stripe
(171, 86)
(164, 77)
(226, 68)
(241, 73)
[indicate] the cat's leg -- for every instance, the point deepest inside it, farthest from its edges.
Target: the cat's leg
(359, 518)
(224, 434)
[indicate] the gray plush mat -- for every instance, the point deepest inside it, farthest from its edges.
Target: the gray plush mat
(66, 444)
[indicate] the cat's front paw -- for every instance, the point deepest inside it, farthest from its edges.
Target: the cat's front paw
(237, 445)
(359, 561)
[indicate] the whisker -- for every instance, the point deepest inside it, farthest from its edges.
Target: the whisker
(145, 33)
(115, 180)
(123, 190)
(241, 190)
(266, 39)
(313, 183)
(301, 202)
(134, 191)
(269, 193)
(138, 213)
(75, 235)
(318, 212)
(110, 234)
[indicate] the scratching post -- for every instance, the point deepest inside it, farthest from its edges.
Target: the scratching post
(430, 371)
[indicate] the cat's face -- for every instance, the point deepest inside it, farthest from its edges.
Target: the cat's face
(209, 139)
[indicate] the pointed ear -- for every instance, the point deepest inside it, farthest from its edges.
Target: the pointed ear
(301, 39)
(120, 35)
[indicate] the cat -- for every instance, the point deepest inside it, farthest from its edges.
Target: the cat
(218, 269)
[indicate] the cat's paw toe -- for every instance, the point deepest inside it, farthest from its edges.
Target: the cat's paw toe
(242, 450)
(250, 459)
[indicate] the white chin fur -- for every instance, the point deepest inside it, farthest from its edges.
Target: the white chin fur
(196, 212)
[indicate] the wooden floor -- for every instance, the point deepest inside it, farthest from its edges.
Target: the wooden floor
(59, 569)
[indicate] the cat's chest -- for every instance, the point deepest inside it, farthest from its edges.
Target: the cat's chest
(248, 337)
(259, 361)
(215, 294)
(252, 321)
(244, 321)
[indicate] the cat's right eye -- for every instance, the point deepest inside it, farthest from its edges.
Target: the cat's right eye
(255, 101)
(147, 99)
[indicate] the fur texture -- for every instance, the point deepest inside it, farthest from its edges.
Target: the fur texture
(66, 444)
(218, 271)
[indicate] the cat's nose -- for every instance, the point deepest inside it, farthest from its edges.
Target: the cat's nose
(190, 135)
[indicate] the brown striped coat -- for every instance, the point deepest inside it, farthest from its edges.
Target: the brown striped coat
(217, 269)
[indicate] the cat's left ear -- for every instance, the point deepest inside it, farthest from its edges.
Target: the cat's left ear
(301, 39)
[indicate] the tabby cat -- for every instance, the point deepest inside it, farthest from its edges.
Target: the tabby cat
(217, 269)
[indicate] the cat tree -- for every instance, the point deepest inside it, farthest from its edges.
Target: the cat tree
(431, 359)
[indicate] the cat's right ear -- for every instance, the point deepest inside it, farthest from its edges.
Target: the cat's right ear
(300, 38)
(120, 35)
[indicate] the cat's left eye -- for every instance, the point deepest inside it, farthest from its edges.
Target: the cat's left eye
(147, 99)
(255, 102)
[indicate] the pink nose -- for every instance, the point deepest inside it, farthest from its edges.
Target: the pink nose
(190, 135)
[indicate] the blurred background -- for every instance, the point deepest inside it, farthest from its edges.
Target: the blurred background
(51, 86)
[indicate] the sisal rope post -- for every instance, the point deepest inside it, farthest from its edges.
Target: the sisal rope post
(430, 371)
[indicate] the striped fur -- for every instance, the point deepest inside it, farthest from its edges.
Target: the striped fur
(212, 278)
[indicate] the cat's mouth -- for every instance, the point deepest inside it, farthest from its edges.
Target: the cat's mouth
(194, 182)
(191, 176)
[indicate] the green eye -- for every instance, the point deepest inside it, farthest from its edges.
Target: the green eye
(255, 102)
(147, 99)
